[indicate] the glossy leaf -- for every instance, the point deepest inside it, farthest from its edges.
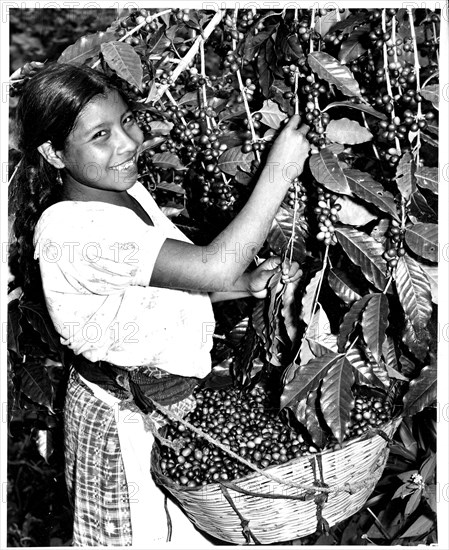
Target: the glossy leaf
(254, 41)
(374, 323)
(404, 176)
(39, 318)
(237, 334)
(363, 370)
(422, 238)
(326, 169)
(246, 362)
(190, 98)
(430, 496)
(354, 211)
(274, 299)
(158, 41)
(310, 297)
(414, 292)
(160, 127)
(347, 25)
(427, 178)
(350, 321)
(332, 71)
(323, 344)
(272, 116)
(281, 232)
(365, 187)
(263, 67)
(433, 127)
(420, 210)
(123, 59)
(289, 310)
(430, 140)
(416, 339)
(389, 353)
(152, 143)
(85, 48)
(342, 288)
(259, 321)
(431, 93)
(336, 397)
(300, 379)
(167, 160)
(365, 252)
(234, 158)
(380, 230)
(318, 331)
(431, 272)
(35, 384)
(352, 48)
(328, 20)
(422, 391)
(318, 435)
(379, 369)
(14, 327)
(276, 93)
(413, 502)
(172, 187)
(286, 44)
(347, 131)
(427, 469)
(364, 107)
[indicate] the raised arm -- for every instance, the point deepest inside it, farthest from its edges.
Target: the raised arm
(220, 265)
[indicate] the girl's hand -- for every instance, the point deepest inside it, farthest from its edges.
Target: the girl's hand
(290, 150)
(258, 279)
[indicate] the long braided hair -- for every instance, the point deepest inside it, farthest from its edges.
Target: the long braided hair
(47, 111)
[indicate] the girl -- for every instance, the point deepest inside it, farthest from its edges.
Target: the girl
(127, 292)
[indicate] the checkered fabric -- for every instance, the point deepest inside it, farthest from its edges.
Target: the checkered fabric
(94, 469)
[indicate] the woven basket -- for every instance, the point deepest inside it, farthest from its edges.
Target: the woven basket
(277, 512)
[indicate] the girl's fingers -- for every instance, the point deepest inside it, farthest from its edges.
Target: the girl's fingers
(293, 122)
(291, 272)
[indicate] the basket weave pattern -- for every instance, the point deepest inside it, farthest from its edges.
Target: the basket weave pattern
(272, 519)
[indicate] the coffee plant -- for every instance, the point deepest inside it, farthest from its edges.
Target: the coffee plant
(354, 343)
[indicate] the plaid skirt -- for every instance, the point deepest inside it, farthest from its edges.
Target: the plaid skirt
(94, 468)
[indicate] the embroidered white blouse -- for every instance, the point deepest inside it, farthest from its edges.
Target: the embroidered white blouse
(96, 261)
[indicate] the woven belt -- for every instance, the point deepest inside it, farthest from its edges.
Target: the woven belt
(165, 388)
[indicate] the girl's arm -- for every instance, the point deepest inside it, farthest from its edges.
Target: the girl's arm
(219, 266)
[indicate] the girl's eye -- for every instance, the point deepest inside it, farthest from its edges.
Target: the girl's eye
(101, 133)
(129, 118)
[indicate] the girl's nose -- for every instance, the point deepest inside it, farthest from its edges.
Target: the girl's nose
(128, 141)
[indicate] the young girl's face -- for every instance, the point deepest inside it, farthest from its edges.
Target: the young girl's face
(101, 151)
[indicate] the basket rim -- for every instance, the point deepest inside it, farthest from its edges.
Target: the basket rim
(370, 434)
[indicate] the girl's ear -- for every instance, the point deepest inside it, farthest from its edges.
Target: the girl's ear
(50, 155)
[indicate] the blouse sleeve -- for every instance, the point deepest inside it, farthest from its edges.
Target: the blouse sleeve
(96, 250)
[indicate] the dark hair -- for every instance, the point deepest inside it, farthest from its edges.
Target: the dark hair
(47, 111)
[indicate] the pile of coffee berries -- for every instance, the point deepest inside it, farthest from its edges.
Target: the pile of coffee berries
(327, 214)
(243, 422)
(368, 412)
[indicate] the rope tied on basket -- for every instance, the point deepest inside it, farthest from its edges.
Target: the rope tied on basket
(320, 487)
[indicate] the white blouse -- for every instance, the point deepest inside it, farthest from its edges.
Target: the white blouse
(96, 261)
